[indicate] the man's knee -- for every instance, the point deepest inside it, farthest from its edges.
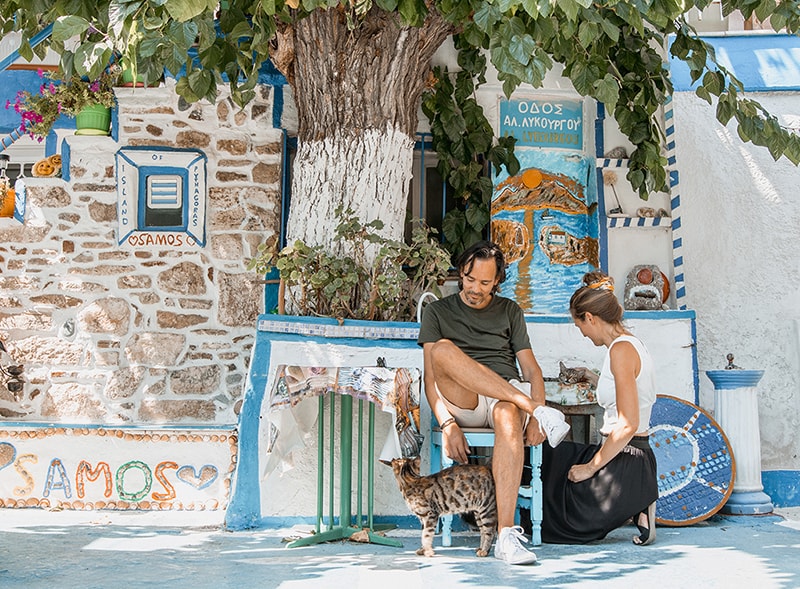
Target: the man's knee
(507, 417)
(442, 352)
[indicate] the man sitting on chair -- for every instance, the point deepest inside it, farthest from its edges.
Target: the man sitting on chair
(472, 342)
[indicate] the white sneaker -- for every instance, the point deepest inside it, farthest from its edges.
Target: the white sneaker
(509, 547)
(552, 424)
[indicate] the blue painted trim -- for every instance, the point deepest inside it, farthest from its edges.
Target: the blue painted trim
(286, 185)
(668, 314)
(599, 143)
(762, 62)
(144, 173)
(783, 487)
(158, 426)
(748, 503)
(331, 321)
(244, 507)
(50, 141)
(654, 315)
(115, 121)
(603, 227)
(35, 40)
(66, 154)
(734, 379)
(695, 367)
(277, 107)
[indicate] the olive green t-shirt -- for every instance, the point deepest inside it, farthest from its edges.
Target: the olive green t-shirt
(492, 335)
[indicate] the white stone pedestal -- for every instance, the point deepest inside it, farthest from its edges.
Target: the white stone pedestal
(736, 411)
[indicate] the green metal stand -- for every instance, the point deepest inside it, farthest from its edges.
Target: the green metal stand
(345, 528)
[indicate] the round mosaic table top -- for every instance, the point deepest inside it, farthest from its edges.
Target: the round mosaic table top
(695, 464)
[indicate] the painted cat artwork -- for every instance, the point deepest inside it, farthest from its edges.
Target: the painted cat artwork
(545, 220)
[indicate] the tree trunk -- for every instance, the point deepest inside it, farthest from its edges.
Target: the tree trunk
(357, 94)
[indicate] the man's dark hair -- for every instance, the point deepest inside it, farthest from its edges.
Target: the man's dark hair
(481, 250)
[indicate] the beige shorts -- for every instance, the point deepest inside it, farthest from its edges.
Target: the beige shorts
(482, 416)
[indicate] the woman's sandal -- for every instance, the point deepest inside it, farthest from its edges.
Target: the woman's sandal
(647, 535)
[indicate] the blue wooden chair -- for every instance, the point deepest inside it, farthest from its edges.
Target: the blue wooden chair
(530, 496)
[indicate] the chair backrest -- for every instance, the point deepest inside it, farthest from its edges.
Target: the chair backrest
(420, 305)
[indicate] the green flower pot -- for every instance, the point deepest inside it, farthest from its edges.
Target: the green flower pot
(93, 120)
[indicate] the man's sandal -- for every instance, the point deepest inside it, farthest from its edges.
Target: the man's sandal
(647, 535)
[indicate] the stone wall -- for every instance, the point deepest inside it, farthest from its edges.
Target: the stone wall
(144, 335)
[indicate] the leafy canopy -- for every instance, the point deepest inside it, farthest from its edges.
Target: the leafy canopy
(611, 50)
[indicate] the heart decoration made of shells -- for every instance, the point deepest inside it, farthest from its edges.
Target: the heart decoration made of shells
(207, 475)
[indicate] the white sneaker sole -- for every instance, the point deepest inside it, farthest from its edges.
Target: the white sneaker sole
(519, 560)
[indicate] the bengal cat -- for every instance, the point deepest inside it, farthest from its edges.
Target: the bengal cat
(463, 488)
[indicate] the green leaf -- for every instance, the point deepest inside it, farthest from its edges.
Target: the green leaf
(91, 59)
(149, 46)
(607, 91)
(477, 217)
(67, 27)
(588, 32)
(243, 29)
(412, 11)
(571, 8)
(184, 10)
(387, 5)
(610, 29)
(522, 47)
(486, 16)
(531, 7)
(184, 90)
(583, 76)
(702, 92)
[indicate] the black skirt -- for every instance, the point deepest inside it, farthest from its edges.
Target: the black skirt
(576, 513)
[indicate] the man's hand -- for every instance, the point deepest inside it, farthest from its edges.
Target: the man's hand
(454, 443)
(533, 433)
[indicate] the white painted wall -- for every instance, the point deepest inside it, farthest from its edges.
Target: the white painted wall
(288, 489)
(741, 221)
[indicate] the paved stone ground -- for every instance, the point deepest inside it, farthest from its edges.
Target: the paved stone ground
(66, 550)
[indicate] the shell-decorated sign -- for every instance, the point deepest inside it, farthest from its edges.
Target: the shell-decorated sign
(125, 468)
(545, 220)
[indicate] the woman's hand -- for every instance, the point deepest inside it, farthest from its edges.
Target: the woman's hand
(581, 472)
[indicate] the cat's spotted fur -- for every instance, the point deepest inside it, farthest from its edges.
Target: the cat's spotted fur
(463, 488)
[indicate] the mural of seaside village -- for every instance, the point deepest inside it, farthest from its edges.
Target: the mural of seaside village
(546, 221)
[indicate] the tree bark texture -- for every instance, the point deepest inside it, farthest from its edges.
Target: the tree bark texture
(357, 94)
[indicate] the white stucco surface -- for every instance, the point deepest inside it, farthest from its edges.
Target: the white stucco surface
(741, 220)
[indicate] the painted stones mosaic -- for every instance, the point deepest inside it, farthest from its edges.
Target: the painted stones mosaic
(695, 464)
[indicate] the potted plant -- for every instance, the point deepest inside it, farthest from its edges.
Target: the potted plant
(376, 279)
(88, 101)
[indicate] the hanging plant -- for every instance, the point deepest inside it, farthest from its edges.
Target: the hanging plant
(465, 144)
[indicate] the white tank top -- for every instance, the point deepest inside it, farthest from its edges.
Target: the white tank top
(645, 386)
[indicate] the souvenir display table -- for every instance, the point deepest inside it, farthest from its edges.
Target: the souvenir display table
(395, 391)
